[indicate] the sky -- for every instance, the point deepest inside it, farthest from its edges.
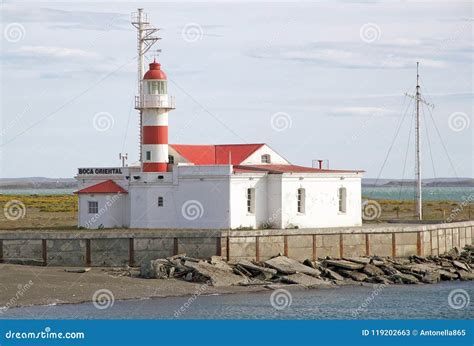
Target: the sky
(313, 80)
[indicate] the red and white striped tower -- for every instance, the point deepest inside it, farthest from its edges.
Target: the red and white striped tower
(154, 105)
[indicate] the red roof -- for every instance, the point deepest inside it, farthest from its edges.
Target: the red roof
(155, 72)
(216, 154)
(286, 169)
(108, 186)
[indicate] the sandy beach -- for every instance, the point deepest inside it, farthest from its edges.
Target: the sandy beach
(22, 285)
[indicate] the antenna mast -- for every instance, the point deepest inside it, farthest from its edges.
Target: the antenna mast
(417, 97)
(146, 38)
(419, 200)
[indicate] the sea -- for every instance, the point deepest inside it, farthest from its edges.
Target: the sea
(445, 300)
(396, 193)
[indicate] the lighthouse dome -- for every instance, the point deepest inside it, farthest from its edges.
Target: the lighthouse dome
(155, 72)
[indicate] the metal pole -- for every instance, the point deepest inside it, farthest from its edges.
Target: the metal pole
(419, 207)
(140, 73)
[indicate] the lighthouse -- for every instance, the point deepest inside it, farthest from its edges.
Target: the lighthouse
(154, 105)
(152, 101)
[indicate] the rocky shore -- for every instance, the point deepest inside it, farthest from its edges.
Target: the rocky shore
(327, 272)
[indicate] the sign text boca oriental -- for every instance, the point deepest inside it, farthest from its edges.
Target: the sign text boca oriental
(90, 171)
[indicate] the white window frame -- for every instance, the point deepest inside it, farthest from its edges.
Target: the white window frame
(171, 159)
(161, 201)
(148, 155)
(301, 201)
(93, 207)
(342, 199)
(251, 200)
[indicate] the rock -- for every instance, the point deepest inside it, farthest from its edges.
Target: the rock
(348, 282)
(219, 277)
(454, 252)
(309, 263)
(305, 280)
(421, 268)
(446, 264)
(462, 266)
(219, 262)
(155, 269)
(377, 262)
(287, 265)
(382, 280)
(431, 277)
(417, 259)
(372, 270)
(447, 275)
(404, 278)
(465, 276)
(389, 270)
(360, 260)
(268, 273)
(332, 274)
(344, 264)
(354, 275)
(189, 277)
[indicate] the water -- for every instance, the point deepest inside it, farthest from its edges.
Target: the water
(429, 193)
(404, 193)
(391, 302)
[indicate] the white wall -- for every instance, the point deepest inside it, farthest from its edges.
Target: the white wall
(112, 210)
(321, 202)
(240, 217)
(256, 157)
(274, 200)
(198, 197)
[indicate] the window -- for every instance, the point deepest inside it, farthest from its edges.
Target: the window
(171, 159)
(157, 88)
(342, 199)
(266, 158)
(251, 200)
(93, 207)
(301, 200)
(148, 155)
(161, 202)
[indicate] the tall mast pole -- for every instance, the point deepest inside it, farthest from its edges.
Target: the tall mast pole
(141, 54)
(419, 206)
(141, 71)
(146, 38)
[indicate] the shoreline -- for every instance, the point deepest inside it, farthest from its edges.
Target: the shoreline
(54, 286)
(51, 290)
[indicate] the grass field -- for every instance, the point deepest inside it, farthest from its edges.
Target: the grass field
(60, 211)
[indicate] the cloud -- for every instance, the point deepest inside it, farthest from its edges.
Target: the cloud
(53, 52)
(66, 20)
(362, 111)
(396, 54)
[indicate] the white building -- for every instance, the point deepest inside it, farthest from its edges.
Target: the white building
(211, 186)
(200, 189)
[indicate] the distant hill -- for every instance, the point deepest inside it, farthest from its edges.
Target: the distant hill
(438, 182)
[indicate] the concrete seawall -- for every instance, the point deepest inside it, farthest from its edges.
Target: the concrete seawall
(131, 247)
